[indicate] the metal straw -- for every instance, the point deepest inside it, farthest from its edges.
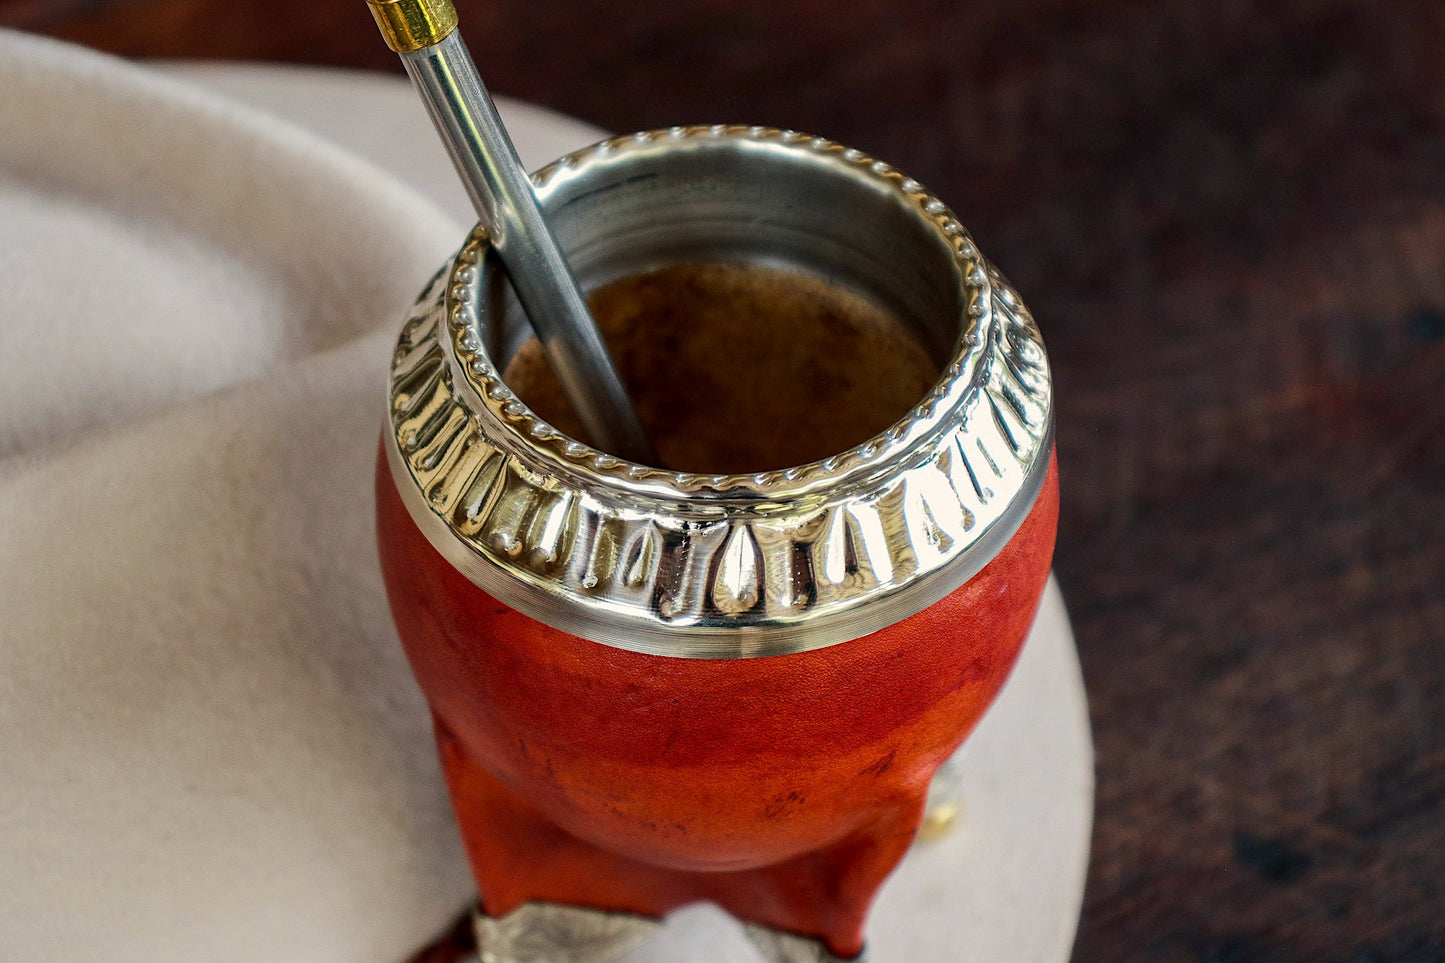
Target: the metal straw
(424, 34)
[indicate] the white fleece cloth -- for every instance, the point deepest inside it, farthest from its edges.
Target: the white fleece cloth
(211, 747)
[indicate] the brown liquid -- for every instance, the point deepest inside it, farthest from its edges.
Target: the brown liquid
(741, 369)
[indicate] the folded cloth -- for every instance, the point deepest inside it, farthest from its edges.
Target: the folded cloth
(210, 745)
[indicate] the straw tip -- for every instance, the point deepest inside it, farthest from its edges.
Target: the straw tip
(410, 25)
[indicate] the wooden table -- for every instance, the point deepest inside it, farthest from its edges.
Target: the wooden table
(1229, 218)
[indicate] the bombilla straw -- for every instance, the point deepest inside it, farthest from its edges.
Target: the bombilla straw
(424, 34)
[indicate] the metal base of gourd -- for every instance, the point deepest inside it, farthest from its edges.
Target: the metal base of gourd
(551, 933)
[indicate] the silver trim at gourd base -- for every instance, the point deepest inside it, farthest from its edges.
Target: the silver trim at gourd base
(726, 566)
(553, 933)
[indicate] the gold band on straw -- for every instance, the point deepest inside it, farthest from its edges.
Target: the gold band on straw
(410, 25)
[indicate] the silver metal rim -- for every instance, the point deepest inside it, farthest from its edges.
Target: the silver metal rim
(708, 566)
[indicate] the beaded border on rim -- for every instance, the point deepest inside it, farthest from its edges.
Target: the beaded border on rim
(774, 484)
(681, 563)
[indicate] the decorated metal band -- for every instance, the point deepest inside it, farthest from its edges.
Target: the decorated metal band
(720, 566)
(537, 932)
(411, 25)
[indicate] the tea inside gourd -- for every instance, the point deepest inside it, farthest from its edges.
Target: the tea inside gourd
(740, 368)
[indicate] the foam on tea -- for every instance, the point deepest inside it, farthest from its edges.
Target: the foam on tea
(738, 368)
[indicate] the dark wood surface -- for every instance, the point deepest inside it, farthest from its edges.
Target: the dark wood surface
(1229, 219)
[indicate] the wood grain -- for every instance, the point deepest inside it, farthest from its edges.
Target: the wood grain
(1229, 218)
